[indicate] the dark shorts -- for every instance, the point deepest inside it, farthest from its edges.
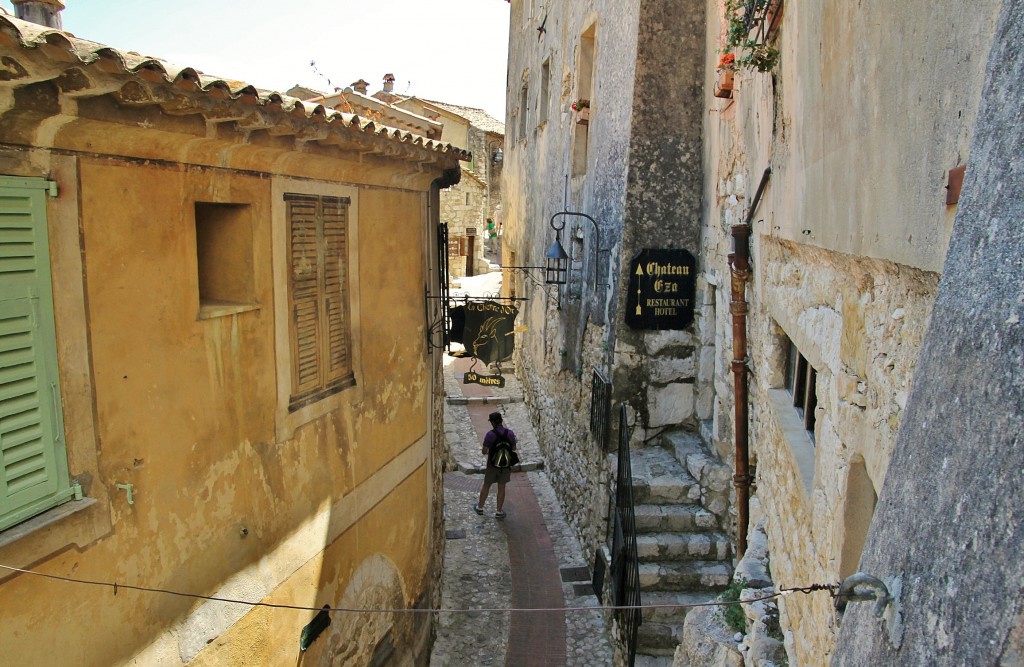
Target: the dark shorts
(499, 475)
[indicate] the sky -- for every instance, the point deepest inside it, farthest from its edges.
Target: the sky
(451, 51)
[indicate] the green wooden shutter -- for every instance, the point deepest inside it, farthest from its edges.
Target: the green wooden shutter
(32, 454)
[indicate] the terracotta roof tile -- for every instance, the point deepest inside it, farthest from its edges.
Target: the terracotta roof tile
(23, 34)
(478, 117)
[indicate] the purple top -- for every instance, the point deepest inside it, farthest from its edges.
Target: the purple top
(492, 437)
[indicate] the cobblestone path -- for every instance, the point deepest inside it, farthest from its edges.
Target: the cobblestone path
(531, 559)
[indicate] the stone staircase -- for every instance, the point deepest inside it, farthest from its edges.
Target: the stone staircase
(681, 496)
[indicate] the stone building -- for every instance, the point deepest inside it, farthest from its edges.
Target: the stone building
(602, 121)
(466, 207)
(860, 144)
(205, 385)
(863, 138)
(947, 539)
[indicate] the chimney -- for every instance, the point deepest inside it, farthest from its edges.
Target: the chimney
(43, 12)
(360, 86)
(389, 83)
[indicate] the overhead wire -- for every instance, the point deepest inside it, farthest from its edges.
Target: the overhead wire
(115, 586)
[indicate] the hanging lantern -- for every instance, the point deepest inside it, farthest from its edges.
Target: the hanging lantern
(557, 264)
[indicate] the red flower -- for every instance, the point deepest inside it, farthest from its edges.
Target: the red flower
(726, 60)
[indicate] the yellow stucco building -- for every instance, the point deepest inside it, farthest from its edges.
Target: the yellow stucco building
(231, 392)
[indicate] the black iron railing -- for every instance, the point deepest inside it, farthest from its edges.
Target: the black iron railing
(761, 16)
(443, 278)
(600, 409)
(625, 563)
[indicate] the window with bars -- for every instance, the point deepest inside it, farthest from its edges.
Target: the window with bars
(801, 382)
(318, 297)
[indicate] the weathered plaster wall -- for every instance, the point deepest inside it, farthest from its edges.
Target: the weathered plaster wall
(185, 408)
(185, 414)
(859, 132)
(875, 101)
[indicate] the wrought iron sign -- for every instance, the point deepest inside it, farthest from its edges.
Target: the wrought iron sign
(489, 329)
(486, 380)
(662, 289)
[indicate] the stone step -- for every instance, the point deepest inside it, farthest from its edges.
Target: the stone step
(674, 519)
(665, 491)
(680, 605)
(659, 478)
(692, 576)
(713, 476)
(683, 546)
(659, 639)
(643, 660)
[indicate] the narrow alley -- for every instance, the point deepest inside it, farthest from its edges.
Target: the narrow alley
(530, 559)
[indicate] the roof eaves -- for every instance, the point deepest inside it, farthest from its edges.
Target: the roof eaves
(65, 47)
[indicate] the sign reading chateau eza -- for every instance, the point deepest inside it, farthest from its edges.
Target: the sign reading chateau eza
(662, 289)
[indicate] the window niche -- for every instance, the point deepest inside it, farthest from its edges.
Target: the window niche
(801, 382)
(545, 93)
(858, 511)
(793, 400)
(224, 257)
(524, 111)
(584, 89)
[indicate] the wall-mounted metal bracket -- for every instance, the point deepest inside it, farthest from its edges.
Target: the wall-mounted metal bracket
(560, 225)
(130, 489)
(860, 587)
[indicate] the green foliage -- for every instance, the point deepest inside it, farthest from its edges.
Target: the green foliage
(745, 34)
(733, 613)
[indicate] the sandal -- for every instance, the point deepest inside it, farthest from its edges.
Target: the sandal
(499, 515)
(479, 510)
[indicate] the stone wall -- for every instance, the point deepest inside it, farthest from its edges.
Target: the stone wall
(845, 255)
(634, 168)
(580, 470)
(859, 322)
(462, 215)
(948, 539)
(482, 145)
(565, 339)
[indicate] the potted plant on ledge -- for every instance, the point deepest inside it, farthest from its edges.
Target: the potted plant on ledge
(582, 109)
(726, 71)
(751, 31)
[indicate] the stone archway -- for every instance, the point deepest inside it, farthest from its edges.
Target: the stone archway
(364, 638)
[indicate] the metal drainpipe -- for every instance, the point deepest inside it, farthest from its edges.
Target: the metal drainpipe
(739, 268)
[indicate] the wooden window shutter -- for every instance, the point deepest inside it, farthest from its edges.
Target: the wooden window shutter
(335, 222)
(318, 296)
(32, 454)
(304, 293)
